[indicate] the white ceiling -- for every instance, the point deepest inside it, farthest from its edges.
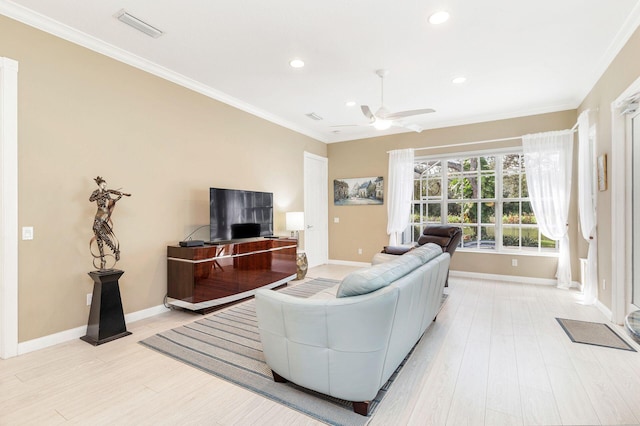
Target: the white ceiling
(519, 57)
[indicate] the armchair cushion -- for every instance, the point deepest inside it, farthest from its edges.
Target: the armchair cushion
(446, 236)
(397, 249)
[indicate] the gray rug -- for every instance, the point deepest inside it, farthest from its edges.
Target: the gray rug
(593, 333)
(227, 344)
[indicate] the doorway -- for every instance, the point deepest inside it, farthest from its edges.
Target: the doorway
(316, 209)
(624, 190)
(633, 134)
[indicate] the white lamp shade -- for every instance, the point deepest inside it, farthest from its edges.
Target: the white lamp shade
(295, 221)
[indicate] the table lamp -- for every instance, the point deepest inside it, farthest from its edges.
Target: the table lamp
(295, 223)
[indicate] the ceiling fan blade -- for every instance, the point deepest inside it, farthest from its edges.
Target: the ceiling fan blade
(367, 113)
(347, 125)
(403, 114)
(408, 126)
(413, 127)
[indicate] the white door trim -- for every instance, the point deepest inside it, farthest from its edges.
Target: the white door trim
(620, 218)
(324, 256)
(8, 208)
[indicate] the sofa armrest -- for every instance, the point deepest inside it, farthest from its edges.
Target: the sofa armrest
(397, 249)
(328, 345)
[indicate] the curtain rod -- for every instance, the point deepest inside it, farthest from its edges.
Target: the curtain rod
(469, 143)
(573, 129)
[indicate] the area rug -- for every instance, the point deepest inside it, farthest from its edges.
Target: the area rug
(593, 333)
(227, 344)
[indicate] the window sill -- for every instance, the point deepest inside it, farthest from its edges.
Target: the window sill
(510, 253)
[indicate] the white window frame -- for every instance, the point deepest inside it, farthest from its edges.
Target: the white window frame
(498, 199)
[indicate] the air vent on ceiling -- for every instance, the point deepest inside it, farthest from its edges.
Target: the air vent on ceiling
(314, 116)
(138, 24)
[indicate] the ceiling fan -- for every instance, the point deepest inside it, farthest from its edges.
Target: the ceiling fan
(383, 118)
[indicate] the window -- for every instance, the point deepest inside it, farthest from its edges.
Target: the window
(486, 195)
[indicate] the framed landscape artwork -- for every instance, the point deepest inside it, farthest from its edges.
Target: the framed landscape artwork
(358, 191)
(602, 172)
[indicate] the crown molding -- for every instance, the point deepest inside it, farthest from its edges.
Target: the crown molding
(475, 119)
(58, 29)
(631, 24)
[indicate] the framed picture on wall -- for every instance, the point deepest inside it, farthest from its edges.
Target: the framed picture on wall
(602, 172)
(358, 191)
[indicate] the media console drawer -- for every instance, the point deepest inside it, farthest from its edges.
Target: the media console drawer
(202, 278)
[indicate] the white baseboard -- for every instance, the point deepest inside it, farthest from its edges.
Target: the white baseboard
(78, 332)
(146, 313)
(475, 275)
(348, 263)
(496, 277)
(605, 311)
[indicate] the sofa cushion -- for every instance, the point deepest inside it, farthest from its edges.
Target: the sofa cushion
(371, 279)
(426, 252)
(327, 294)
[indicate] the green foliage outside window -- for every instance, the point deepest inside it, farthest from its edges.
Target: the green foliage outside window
(471, 199)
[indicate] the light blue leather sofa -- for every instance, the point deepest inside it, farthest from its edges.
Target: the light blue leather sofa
(347, 341)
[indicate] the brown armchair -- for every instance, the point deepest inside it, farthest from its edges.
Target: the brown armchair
(446, 236)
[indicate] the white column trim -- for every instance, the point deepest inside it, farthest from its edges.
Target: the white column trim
(8, 208)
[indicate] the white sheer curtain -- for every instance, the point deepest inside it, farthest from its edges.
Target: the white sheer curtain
(548, 158)
(587, 207)
(400, 193)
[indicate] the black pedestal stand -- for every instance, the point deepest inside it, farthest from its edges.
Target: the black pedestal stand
(106, 318)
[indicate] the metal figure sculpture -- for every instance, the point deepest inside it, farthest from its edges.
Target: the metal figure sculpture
(102, 224)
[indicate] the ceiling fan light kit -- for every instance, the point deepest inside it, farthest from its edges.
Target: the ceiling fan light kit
(381, 124)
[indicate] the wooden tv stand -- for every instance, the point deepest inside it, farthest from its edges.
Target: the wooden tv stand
(202, 279)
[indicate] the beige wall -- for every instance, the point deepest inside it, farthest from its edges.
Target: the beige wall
(365, 226)
(82, 114)
(622, 72)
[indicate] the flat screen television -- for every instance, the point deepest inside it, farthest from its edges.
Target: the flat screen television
(236, 214)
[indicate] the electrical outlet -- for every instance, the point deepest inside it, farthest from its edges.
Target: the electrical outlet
(514, 262)
(336, 220)
(89, 298)
(359, 251)
(27, 233)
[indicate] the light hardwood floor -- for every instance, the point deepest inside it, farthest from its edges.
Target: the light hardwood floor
(495, 355)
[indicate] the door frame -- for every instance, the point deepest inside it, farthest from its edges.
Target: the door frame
(325, 234)
(629, 137)
(621, 218)
(8, 208)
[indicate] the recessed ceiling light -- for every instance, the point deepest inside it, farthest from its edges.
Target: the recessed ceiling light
(350, 103)
(296, 63)
(439, 17)
(459, 80)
